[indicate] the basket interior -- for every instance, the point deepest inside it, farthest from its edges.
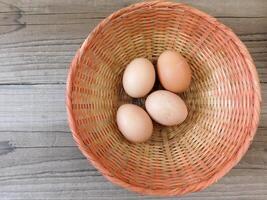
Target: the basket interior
(220, 98)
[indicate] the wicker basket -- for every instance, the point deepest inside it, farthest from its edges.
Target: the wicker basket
(223, 99)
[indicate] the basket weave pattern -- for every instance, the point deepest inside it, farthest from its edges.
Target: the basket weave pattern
(223, 99)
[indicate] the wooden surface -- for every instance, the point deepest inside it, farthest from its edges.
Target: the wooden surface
(38, 158)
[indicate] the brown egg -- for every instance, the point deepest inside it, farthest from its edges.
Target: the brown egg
(173, 71)
(166, 108)
(134, 123)
(139, 77)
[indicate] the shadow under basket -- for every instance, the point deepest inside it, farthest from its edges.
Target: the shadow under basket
(223, 99)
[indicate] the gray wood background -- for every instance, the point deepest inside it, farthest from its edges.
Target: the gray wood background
(38, 158)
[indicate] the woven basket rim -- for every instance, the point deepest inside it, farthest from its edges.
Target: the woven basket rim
(196, 186)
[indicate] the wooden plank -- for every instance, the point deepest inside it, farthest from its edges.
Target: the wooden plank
(39, 54)
(33, 108)
(49, 171)
(34, 139)
(33, 171)
(254, 25)
(73, 179)
(12, 143)
(40, 139)
(246, 26)
(39, 41)
(42, 108)
(100, 8)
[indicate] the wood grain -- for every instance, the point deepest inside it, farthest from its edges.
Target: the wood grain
(39, 159)
(101, 8)
(37, 43)
(62, 172)
(42, 108)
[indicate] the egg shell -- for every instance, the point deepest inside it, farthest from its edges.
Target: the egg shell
(134, 123)
(139, 77)
(173, 71)
(166, 108)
